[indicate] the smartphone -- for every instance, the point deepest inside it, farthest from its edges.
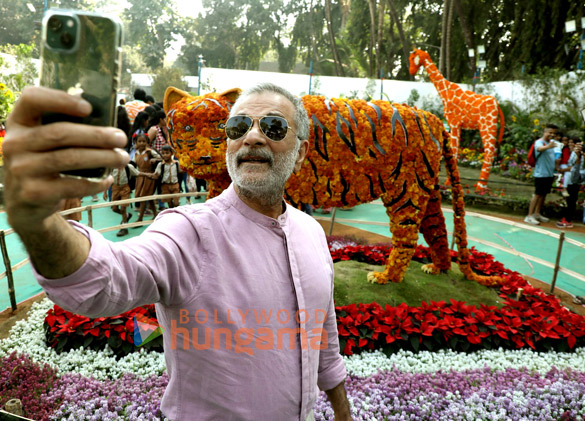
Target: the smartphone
(81, 54)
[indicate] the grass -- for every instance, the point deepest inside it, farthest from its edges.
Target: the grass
(352, 287)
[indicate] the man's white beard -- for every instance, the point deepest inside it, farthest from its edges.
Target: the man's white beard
(268, 189)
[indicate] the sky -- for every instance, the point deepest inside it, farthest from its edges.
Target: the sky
(189, 7)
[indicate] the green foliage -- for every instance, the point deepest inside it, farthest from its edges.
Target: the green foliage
(14, 78)
(351, 287)
(151, 25)
(164, 78)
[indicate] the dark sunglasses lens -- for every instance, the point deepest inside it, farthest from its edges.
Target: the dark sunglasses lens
(237, 126)
(275, 128)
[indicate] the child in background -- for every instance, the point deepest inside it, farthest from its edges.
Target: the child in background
(168, 170)
(121, 191)
(563, 162)
(146, 158)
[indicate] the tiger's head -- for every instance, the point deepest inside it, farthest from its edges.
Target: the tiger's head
(196, 129)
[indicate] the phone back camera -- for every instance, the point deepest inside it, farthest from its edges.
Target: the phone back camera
(61, 32)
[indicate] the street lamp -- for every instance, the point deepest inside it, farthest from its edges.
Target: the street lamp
(201, 61)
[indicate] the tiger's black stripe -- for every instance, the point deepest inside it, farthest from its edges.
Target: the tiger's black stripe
(428, 165)
(345, 185)
(408, 204)
(377, 110)
(352, 115)
(374, 137)
(396, 117)
(399, 197)
(349, 142)
(321, 151)
(314, 167)
(431, 132)
(381, 183)
(396, 171)
(421, 184)
(372, 194)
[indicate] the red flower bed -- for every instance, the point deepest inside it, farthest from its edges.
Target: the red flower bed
(536, 320)
(65, 330)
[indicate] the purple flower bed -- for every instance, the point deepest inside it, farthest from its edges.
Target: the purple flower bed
(471, 394)
(128, 397)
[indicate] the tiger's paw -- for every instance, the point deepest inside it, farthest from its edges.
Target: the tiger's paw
(431, 269)
(377, 278)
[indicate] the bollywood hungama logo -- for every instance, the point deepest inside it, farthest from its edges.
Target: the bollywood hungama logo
(145, 329)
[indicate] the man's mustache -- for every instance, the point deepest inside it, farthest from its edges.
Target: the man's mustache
(247, 154)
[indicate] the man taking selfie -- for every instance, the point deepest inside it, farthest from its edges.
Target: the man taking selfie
(243, 284)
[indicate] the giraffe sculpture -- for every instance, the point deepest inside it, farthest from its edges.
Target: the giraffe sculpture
(465, 110)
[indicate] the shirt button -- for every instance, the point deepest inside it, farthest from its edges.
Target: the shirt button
(273, 223)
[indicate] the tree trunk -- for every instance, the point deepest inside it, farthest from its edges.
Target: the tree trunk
(467, 32)
(448, 41)
(345, 9)
(336, 59)
(443, 36)
(381, 10)
(313, 42)
(405, 43)
(372, 5)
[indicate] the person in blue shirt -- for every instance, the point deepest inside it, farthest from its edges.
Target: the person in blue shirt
(544, 172)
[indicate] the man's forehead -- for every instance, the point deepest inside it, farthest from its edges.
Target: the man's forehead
(268, 102)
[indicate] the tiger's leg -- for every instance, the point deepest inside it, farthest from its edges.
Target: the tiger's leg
(435, 233)
(405, 219)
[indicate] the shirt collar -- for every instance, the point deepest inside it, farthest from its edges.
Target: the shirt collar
(231, 197)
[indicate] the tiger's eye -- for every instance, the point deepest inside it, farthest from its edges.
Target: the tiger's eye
(188, 128)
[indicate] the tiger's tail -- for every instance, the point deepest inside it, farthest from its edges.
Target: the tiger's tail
(459, 226)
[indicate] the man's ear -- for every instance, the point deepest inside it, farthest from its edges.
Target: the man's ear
(231, 94)
(303, 151)
(172, 96)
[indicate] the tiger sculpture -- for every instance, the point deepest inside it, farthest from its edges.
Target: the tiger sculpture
(359, 151)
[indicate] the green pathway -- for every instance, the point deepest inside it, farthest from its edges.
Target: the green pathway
(499, 233)
(502, 234)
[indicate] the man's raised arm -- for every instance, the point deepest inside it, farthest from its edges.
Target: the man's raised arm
(34, 156)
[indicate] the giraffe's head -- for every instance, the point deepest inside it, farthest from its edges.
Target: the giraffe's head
(417, 59)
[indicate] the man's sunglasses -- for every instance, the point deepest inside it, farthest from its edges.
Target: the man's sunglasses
(274, 128)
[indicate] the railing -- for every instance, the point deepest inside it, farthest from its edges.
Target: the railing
(10, 269)
(556, 266)
(90, 208)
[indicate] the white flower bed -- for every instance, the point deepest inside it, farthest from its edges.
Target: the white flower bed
(27, 336)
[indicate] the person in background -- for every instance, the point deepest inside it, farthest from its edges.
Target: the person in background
(121, 191)
(137, 105)
(139, 127)
(146, 160)
(245, 251)
(562, 162)
(544, 172)
(2, 129)
(149, 100)
(169, 172)
(576, 178)
(158, 133)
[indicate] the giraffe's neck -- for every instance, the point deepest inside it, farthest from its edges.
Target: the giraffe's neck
(441, 84)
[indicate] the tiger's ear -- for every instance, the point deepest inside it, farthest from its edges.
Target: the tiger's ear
(173, 95)
(231, 94)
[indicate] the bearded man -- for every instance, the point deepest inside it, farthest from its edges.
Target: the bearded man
(243, 284)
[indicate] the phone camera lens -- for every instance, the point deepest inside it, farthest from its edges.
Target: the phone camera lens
(55, 24)
(67, 40)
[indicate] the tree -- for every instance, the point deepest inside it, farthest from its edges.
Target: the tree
(151, 25)
(165, 77)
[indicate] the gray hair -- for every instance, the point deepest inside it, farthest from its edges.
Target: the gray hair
(301, 118)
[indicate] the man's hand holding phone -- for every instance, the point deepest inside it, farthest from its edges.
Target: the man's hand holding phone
(35, 155)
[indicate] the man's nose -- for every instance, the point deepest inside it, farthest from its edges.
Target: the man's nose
(255, 135)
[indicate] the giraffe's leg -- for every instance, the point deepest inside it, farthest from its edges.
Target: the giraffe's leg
(455, 137)
(404, 226)
(435, 232)
(488, 132)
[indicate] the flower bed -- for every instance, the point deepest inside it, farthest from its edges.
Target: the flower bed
(96, 385)
(535, 320)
